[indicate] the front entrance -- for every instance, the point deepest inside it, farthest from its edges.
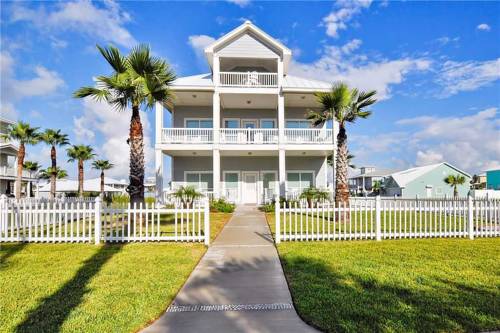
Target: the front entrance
(249, 192)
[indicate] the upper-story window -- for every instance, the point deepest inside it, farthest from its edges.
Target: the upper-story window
(231, 123)
(199, 123)
(268, 123)
(298, 124)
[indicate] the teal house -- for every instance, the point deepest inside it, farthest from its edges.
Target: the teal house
(425, 182)
(493, 179)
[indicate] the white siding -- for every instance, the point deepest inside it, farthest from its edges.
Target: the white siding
(247, 46)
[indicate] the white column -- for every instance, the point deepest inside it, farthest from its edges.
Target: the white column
(28, 189)
(282, 172)
(216, 70)
(281, 118)
(216, 173)
(158, 121)
(159, 175)
(216, 116)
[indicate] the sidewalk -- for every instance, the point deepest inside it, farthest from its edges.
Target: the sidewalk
(238, 286)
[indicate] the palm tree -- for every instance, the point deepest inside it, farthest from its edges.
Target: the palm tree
(102, 165)
(31, 167)
(47, 173)
(54, 138)
(313, 194)
(454, 181)
(24, 134)
(187, 195)
(138, 80)
(343, 105)
(80, 153)
(377, 186)
(350, 157)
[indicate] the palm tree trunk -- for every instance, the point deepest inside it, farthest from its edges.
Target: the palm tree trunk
(136, 142)
(341, 186)
(53, 174)
(102, 183)
(455, 191)
(80, 178)
(20, 161)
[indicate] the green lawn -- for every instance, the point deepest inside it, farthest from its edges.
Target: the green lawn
(418, 285)
(108, 288)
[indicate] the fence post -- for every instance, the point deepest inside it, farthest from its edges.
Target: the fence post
(277, 217)
(97, 219)
(206, 220)
(3, 216)
(470, 216)
(378, 233)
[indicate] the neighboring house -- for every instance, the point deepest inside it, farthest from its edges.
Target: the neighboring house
(240, 132)
(493, 179)
(479, 182)
(66, 186)
(425, 182)
(8, 166)
(362, 184)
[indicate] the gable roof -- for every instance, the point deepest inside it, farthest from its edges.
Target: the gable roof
(260, 34)
(376, 173)
(402, 178)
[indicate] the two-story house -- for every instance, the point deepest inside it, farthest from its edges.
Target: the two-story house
(240, 132)
(8, 166)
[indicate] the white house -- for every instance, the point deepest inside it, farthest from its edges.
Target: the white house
(240, 132)
(8, 165)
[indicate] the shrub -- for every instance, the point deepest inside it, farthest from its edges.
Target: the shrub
(267, 208)
(187, 195)
(222, 206)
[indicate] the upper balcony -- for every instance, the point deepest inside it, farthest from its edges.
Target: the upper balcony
(248, 79)
(9, 171)
(245, 136)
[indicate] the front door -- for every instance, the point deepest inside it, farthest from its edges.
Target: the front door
(250, 187)
(250, 125)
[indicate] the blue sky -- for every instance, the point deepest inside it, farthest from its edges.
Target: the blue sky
(435, 65)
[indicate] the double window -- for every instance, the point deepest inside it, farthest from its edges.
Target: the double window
(202, 181)
(300, 180)
(297, 123)
(199, 123)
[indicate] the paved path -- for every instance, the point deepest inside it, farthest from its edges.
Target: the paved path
(238, 286)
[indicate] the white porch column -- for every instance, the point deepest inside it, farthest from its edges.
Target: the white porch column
(216, 173)
(282, 172)
(216, 70)
(216, 117)
(159, 175)
(281, 118)
(158, 121)
(28, 189)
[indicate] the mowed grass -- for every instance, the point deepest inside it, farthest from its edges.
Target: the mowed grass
(417, 285)
(83, 287)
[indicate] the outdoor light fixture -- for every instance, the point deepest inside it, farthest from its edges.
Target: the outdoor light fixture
(194, 96)
(249, 153)
(248, 102)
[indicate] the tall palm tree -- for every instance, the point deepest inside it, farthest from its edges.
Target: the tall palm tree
(32, 168)
(102, 165)
(24, 134)
(47, 173)
(138, 80)
(454, 181)
(343, 105)
(80, 153)
(350, 157)
(54, 138)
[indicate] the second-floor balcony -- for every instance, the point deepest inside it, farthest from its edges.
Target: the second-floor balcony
(9, 171)
(246, 136)
(248, 79)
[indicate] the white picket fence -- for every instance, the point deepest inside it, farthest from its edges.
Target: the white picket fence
(89, 221)
(377, 219)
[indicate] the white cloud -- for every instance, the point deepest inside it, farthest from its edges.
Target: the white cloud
(483, 27)
(381, 75)
(113, 128)
(446, 40)
(241, 3)
(105, 21)
(44, 82)
(467, 76)
(199, 43)
(338, 19)
(470, 142)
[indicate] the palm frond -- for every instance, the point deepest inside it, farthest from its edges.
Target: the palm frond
(114, 58)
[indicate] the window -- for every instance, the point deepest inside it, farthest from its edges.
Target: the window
(231, 123)
(200, 180)
(199, 123)
(231, 179)
(300, 180)
(298, 124)
(267, 123)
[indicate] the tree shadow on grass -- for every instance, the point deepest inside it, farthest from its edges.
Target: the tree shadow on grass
(353, 302)
(9, 250)
(53, 310)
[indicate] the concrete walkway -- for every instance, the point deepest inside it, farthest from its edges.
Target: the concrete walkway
(238, 286)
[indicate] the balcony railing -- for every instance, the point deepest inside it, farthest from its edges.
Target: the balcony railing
(247, 136)
(248, 79)
(7, 171)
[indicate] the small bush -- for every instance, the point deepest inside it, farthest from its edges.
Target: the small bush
(267, 208)
(222, 206)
